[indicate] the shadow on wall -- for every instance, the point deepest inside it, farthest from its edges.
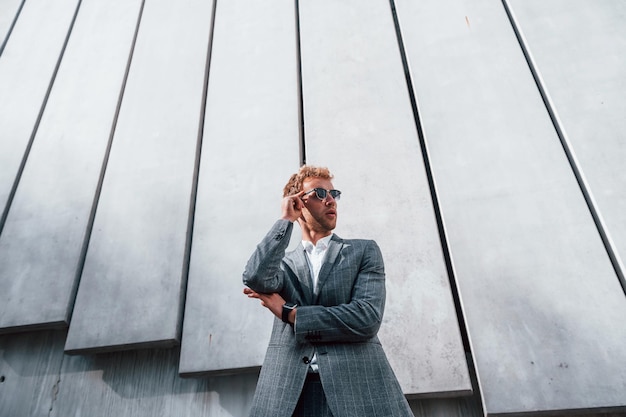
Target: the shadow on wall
(39, 378)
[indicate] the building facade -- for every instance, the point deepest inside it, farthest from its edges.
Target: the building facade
(144, 145)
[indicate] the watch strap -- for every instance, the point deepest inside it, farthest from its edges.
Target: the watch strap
(287, 308)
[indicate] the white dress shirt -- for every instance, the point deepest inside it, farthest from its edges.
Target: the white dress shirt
(315, 256)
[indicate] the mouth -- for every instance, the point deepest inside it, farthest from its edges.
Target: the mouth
(331, 213)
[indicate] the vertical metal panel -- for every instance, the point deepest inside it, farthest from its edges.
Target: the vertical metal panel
(40, 246)
(250, 148)
(359, 122)
(543, 307)
(9, 10)
(579, 49)
(131, 288)
(27, 67)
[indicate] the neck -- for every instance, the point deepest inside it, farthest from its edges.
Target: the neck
(314, 236)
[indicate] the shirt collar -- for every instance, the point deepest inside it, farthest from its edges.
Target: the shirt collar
(321, 245)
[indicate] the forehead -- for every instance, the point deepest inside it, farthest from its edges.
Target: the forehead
(314, 182)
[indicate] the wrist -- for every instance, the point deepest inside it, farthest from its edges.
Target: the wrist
(289, 313)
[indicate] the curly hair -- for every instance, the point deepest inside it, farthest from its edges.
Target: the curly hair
(294, 185)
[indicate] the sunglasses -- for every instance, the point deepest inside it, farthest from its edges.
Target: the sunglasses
(322, 193)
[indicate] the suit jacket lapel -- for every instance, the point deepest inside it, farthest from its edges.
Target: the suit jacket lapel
(334, 247)
(301, 268)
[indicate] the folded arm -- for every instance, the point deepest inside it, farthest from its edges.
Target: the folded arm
(356, 320)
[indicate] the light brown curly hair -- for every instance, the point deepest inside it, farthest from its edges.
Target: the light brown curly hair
(294, 185)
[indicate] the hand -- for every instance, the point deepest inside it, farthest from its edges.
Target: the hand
(292, 206)
(273, 302)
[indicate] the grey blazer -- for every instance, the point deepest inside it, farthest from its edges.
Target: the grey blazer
(340, 324)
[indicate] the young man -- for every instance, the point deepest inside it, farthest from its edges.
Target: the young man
(324, 358)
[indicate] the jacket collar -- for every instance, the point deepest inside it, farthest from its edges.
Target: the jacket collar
(300, 266)
(334, 247)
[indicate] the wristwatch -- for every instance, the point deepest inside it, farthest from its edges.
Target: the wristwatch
(288, 308)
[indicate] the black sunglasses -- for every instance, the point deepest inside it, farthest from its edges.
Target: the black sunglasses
(322, 193)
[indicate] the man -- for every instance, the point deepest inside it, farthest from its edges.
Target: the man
(324, 357)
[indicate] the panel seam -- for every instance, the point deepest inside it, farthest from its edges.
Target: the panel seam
(431, 181)
(10, 31)
(196, 174)
(94, 206)
(607, 241)
(44, 103)
(300, 88)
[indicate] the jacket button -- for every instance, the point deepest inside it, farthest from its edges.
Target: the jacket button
(306, 360)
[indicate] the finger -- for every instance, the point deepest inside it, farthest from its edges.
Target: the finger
(300, 195)
(297, 200)
(250, 293)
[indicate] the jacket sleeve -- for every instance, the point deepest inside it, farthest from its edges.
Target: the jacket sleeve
(263, 271)
(357, 320)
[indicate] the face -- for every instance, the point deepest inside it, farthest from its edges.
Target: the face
(319, 215)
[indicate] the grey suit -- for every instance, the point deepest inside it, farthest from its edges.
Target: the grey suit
(340, 324)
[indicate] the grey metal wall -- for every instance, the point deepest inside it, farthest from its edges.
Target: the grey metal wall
(143, 149)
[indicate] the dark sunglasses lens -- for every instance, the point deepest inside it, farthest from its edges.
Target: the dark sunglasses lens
(320, 193)
(335, 193)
